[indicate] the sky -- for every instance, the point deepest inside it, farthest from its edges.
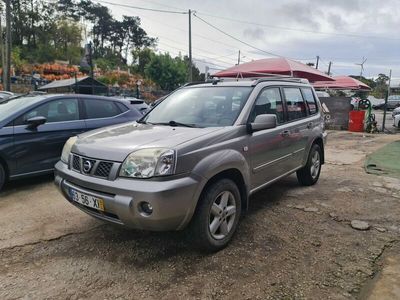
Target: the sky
(339, 31)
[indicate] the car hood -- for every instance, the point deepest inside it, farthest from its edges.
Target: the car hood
(117, 142)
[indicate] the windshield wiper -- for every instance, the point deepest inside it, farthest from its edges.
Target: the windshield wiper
(173, 124)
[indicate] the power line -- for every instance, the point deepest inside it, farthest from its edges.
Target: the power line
(184, 30)
(235, 38)
(299, 30)
(195, 59)
(198, 49)
(145, 8)
(207, 57)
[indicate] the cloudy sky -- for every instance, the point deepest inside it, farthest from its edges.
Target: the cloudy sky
(340, 31)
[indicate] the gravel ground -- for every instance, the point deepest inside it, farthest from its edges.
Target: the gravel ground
(294, 242)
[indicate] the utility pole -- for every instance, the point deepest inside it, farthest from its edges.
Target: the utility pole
(3, 58)
(190, 47)
(316, 65)
(329, 68)
(386, 100)
(7, 65)
(239, 58)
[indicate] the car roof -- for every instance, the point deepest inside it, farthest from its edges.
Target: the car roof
(250, 82)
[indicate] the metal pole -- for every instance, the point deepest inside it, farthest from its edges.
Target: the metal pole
(3, 58)
(386, 100)
(316, 65)
(7, 66)
(239, 58)
(91, 65)
(329, 68)
(190, 46)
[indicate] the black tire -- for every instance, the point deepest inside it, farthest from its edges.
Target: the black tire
(307, 175)
(2, 176)
(200, 232)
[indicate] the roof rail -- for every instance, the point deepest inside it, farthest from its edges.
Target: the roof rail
(288, 79)
(201, 82)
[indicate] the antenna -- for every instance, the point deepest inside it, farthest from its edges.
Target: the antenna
(362, 66)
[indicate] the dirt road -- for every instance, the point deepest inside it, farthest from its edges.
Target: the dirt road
(294, 242)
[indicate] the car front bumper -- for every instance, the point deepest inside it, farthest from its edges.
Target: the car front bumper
(173, 201)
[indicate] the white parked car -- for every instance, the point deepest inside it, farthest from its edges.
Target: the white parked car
(395, 112)
(396, 121)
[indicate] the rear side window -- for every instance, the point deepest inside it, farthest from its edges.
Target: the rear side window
(295, 104)
(122, 107)
(310, 99)
(96, 109)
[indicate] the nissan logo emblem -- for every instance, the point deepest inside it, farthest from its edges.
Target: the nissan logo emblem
(87, 166)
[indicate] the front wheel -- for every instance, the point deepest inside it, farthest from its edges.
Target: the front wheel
(217, 216)
(309, 174)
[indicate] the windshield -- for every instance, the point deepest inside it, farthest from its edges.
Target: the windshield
(9, 106)
(200, 107)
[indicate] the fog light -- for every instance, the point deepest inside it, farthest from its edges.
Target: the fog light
(146, 208)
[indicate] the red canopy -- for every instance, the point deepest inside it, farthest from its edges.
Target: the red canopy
(342, 83)
(280, 66)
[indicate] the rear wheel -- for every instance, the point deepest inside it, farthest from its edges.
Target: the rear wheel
(309, 174)
(217, 216)
(2, 176)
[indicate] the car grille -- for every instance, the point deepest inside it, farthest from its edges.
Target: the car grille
(103, 169)
(92, 167)
(76, 162)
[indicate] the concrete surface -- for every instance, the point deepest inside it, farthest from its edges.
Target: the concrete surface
(294, 243)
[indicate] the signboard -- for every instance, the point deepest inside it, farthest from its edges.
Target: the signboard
(336, 111)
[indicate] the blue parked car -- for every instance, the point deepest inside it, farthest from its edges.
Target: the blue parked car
(34, 128)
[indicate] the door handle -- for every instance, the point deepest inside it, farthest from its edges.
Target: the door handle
(285, 133)
(309, 125)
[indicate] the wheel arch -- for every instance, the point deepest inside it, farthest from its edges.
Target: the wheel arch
(319, 141)
(236, 176)
(5, 166)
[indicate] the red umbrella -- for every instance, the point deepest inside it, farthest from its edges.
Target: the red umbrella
(342, 83)
(268, 66)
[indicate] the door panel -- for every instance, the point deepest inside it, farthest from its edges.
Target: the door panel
(40, 148)
(299, 125)
(268, 148)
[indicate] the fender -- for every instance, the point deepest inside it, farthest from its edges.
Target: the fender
(214, 164)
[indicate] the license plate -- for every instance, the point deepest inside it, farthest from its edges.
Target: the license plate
(87, 200)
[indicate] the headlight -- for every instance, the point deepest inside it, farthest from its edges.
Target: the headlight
(147, 163)
(67, 149)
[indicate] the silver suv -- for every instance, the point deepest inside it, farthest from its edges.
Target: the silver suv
(197, 156)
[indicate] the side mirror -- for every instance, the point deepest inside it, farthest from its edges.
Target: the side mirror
(35, 122)
(263, 122)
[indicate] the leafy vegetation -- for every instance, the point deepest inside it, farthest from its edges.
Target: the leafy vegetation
(44, 31)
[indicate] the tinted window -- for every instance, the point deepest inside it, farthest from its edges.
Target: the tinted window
(59, 110)
(96, 109)
(269, 102)
(122, 107)
(311, 102)
(296, 107)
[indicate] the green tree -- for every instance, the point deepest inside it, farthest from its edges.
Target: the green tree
(141, 58)
(68, 41)
(169, 73)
